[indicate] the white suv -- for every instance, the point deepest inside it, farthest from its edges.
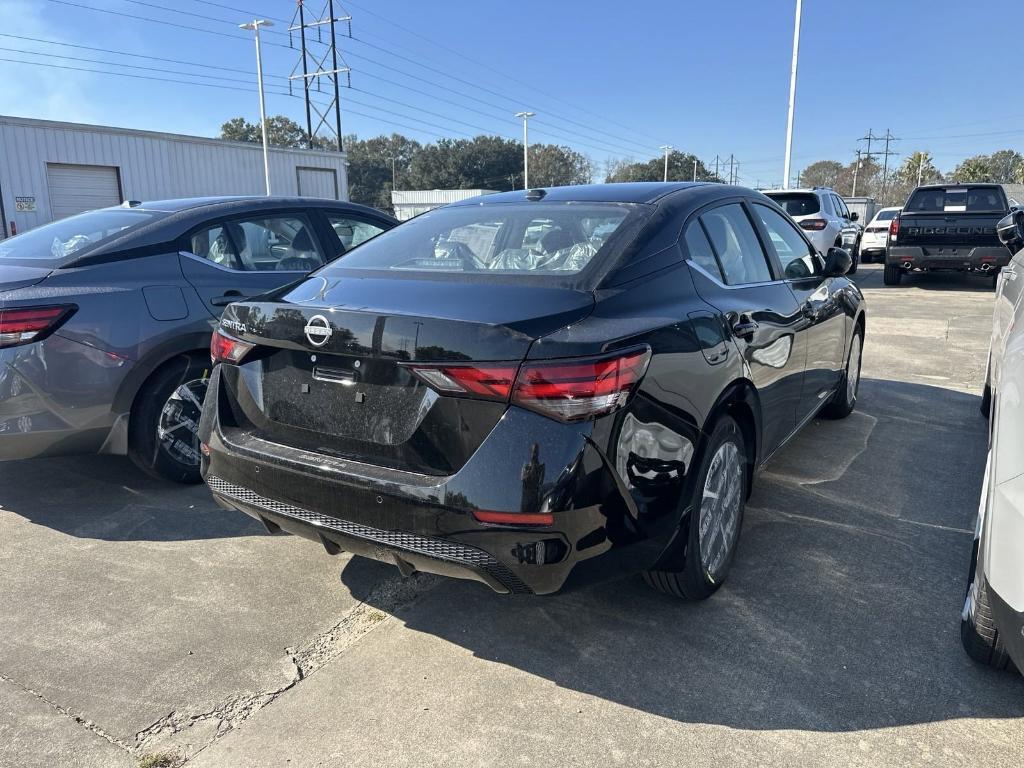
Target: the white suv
(823, 215)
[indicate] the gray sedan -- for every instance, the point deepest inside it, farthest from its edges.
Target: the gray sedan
(106, 317)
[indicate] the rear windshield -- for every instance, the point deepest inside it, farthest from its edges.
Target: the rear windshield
(954, 199)
(52, 245)
(797, 203)
(887, 215)
(514, 239)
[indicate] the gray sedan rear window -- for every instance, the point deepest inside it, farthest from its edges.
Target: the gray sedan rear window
(54, 244)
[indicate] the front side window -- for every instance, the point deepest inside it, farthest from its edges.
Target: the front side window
(534, 238)
(794, 254)
(739, 251)
(263, 244)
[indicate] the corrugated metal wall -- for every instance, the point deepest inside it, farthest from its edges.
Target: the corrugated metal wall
(152, 166)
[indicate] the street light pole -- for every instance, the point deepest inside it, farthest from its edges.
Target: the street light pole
(255, 25)
(666, 148)
(526, 146)
(792, 95)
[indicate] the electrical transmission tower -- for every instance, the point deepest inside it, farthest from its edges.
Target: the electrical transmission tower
(885, 154)
(316, 66)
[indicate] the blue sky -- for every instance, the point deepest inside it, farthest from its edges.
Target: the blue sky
(610, 79)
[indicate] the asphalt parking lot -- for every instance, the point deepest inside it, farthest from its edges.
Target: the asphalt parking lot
(137, 618)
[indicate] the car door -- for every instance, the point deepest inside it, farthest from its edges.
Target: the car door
(230, 259)
(823, 311)
(851, 230)
(733, 274)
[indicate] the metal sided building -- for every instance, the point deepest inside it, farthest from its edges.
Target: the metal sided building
(49, 170)
(413, 202)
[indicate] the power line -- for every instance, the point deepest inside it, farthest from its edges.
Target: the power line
(489, 67)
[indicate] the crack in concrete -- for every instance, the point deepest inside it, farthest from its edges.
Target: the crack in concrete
(89, 725)
(170, 731)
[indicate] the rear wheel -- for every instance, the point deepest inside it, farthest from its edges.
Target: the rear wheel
(716, 515)
(892, 275)
(855, 257)
(978, 632)
(163, 437)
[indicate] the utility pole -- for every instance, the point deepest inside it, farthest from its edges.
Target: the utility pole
(856, 170)
(694, 169)
(255, 25)
(526, 146)
(885, 163)
(394, 182)
(717, 177)
(666, 148)
(792, 90)
(314, 66)
(732, 161)
(921, 158)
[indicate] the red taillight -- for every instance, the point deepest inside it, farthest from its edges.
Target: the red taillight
(227, 349)
(568, 390)
(487, 381)
(894, 227)
(23, 325)
(514, 518)
(814, 225)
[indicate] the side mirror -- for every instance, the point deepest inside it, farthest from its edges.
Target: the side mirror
(837, 262)
(854, 216)
(1011, 231)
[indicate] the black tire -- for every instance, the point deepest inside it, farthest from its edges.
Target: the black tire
(979, 635)
(169, 396)
(844, 400)
(693, 580)
(986, 401)
(892, 275)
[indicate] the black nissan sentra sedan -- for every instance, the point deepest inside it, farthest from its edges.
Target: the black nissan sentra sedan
(537, 389)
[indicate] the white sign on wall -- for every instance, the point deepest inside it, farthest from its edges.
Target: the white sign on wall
(24, 204)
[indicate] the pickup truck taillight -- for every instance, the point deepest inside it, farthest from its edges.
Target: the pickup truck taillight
(894, 227)
(814, 225)
(24, 325)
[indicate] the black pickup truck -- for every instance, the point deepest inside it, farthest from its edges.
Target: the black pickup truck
(948, 227)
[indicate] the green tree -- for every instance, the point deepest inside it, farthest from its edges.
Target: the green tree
(917, 168)
(977, 168)
(376, 166)
(556, 166)
(680, 168)
(281, 132)
(1007, 166)
(823, 173)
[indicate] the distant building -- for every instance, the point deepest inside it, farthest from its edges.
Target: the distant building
(49, 170)
(413, 202)
(864, 207)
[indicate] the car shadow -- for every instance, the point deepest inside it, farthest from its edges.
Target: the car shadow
(106, 497)
(841, 612)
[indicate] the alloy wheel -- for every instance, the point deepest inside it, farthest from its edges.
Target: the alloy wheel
(177, 430)
(720, 507)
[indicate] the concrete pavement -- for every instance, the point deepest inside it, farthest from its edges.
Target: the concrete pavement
(163, 623)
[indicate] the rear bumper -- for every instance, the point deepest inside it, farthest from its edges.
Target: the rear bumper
(417, 522)
(964, 259)
(56, 398)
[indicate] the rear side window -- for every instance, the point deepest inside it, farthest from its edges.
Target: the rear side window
(265, 244)
(797, 203)
(739, 251)
(351, 231)
(699, 249)
(957, 199)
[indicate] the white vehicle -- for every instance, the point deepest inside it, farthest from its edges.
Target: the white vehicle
(876, 235)
(823, 215)
(993, 616)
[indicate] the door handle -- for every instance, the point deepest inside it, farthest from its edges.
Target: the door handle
(228, 298)
(744, 326)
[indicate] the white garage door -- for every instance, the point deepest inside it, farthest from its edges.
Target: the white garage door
(318, 182)
(77, 188)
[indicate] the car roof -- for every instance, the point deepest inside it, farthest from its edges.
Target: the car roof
(251, 201)
(619, 192)
(802, 190)
(959, 184)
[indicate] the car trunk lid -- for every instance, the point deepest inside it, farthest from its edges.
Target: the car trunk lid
(331, 373)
